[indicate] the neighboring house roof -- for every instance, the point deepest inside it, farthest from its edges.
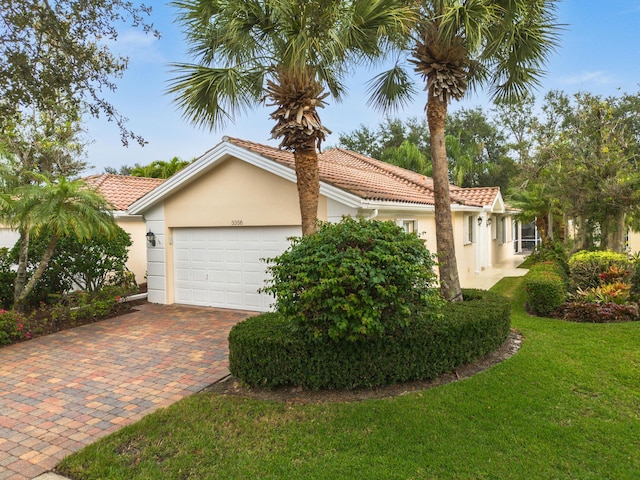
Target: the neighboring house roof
(120, 191)
(354, 177)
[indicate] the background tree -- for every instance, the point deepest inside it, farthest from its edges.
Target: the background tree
(502, 45)
(390, 134)
(591, 164)
(55, 55)
(471, 133)
(292, 54)
(160, 168)
(44, 142)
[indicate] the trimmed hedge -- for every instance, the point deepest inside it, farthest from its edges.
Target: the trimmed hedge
(266, 350)
(546, 286)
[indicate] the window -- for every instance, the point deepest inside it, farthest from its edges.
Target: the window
(502, 232)
(469, 229)
(409, 226)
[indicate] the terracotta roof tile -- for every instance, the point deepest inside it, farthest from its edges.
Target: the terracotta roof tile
(479, 195)
(373, 179)
(120, 190)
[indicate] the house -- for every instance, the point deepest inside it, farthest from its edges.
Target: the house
(215, 221)
(120, 192)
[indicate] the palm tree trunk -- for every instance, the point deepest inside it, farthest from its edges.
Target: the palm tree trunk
(445, 242)
(306, 161)
(21, 274)
(42, 266)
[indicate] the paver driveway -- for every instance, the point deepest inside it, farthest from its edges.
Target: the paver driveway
(61, 392)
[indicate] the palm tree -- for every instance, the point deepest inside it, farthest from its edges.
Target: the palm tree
(60, 208)
(457, 44)
(293, 54)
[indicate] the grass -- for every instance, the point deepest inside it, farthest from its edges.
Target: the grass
(565, 406)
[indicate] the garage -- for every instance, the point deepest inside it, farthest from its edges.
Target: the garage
(222, 267)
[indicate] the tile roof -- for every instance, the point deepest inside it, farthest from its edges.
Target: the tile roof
(120, 190)
(373, 179)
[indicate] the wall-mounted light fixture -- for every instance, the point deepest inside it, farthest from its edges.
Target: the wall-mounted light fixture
(479, 221)
(489, 221)
(151, 238)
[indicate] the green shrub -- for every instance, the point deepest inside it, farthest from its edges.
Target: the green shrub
(268, 350)
(635, 276)
(355, 279)
(89, 265)
(7, 277)
(545, 287)
(14, 327)
(599, 312)
(94, 263)
(590, 269)
(555, 251)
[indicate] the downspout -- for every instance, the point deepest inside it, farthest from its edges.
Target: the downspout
(373, 215)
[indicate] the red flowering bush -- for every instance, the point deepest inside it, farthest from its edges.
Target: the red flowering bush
(14, 327)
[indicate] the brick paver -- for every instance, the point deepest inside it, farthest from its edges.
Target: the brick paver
(61, 392)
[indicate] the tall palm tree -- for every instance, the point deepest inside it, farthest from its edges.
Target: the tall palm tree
(291, 53)
(502, 44)
(60, 208)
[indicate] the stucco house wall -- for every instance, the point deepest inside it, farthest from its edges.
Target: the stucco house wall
(633, 244)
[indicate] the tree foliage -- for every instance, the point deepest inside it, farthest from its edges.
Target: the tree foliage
(55, 55)
(581, 163)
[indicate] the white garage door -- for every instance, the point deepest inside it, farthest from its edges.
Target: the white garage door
(222, 267)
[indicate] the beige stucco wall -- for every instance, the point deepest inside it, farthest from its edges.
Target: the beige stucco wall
(501, 252)
(634, 241)
(137, 261)
(465, 252)
(236, 193)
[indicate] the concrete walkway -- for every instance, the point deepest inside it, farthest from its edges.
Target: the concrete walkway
(489, 277)
(61, 392)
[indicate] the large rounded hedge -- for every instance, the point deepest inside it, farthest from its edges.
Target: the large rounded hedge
(268, 351)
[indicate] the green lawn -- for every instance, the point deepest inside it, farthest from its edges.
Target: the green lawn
(567, 405)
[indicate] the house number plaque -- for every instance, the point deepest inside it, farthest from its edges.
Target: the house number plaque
(236, 223)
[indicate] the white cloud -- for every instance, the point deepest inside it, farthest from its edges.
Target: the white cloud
(599, 77)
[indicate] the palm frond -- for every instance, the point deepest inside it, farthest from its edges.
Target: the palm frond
(390, 89)
(212, 96)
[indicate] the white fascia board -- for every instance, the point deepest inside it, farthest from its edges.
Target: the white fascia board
(389, 205)
(124, 214)
(456, 207)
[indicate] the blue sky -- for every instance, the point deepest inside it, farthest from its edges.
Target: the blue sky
(599, 52)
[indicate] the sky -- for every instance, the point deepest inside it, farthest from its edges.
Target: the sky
(598, 52)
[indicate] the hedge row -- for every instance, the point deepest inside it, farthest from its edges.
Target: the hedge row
(546, 288)
(266, 351)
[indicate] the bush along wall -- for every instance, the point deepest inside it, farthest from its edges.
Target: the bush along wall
(268, 351)
(546, 287)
